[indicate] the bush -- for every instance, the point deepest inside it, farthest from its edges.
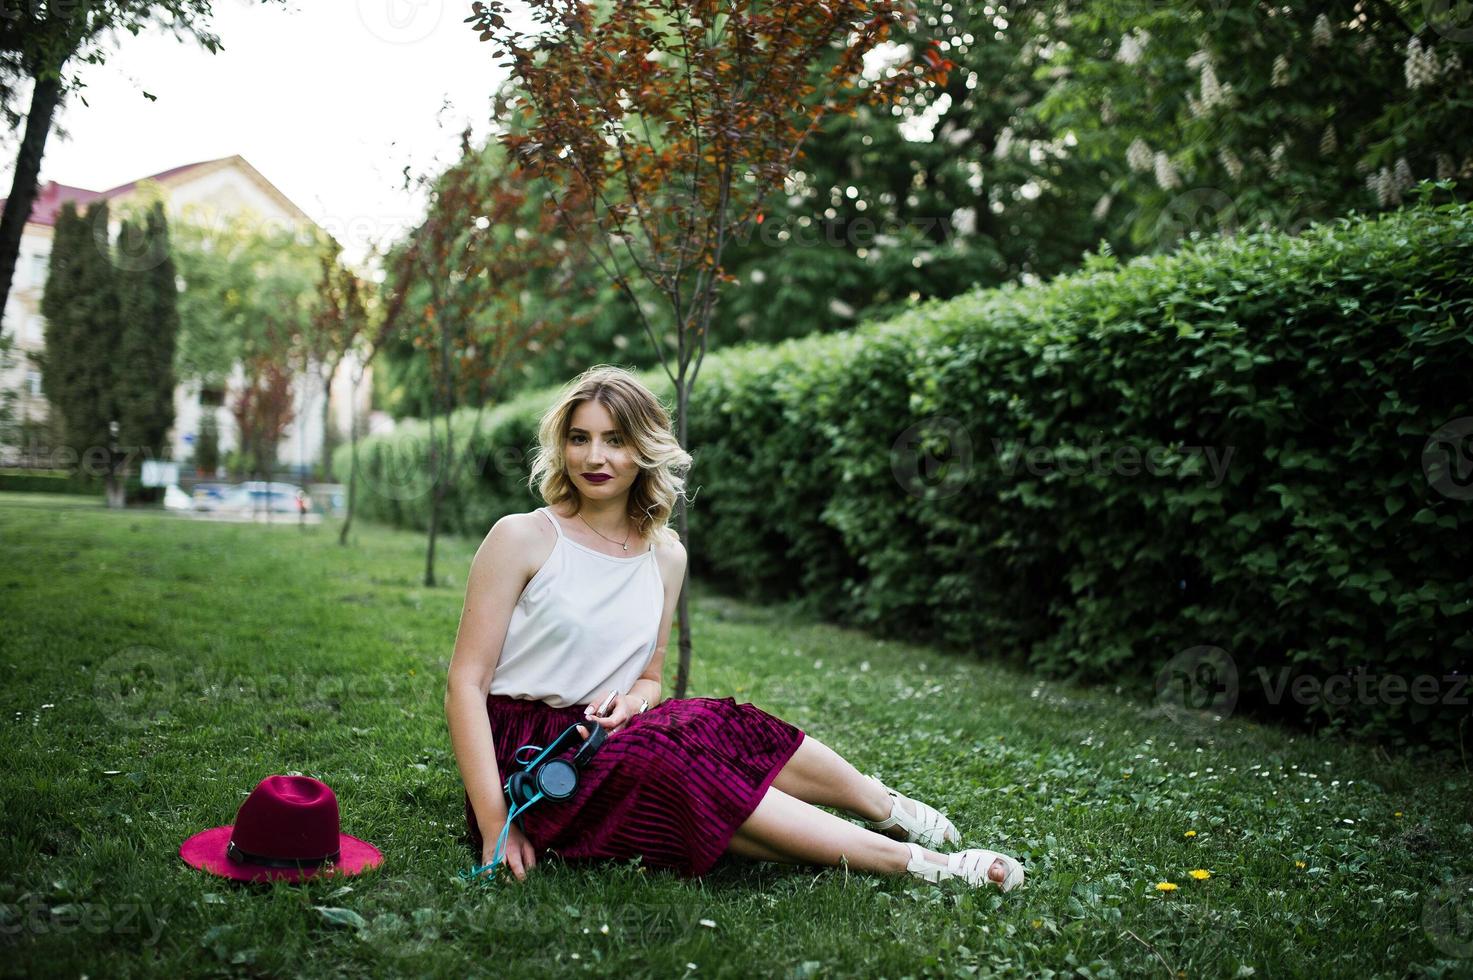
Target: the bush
(1232, 446)
(61, 481)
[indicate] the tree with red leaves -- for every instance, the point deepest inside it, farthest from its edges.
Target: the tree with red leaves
(484, 281)
(676, 120)
(337, 322)
(263, 407)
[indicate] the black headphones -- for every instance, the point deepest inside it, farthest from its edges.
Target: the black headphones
(542, 777)
(547, 778)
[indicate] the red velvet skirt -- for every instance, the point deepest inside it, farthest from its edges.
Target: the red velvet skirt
(672, 786)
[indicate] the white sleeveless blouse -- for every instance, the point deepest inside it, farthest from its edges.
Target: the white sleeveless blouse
(585, 624)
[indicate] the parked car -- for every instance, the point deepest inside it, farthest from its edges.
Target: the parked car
(258, 496)
(176, 499)
(209, 496)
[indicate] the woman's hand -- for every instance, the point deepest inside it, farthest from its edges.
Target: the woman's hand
(623, 709)
(518, 855)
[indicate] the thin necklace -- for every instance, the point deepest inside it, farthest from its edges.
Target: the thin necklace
(604, 536)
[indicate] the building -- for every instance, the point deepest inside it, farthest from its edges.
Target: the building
(212, 188)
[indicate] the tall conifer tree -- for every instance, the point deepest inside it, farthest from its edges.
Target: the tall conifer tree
(80, 304)
(60, 372)
(148, 308)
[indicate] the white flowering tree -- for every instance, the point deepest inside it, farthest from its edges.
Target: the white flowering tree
(955, 186)
(1244, 115)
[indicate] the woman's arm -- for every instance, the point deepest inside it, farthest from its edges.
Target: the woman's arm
(673, 575)
(649, 687)
(497, 577)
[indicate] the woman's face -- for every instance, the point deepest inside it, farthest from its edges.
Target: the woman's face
(595, 447)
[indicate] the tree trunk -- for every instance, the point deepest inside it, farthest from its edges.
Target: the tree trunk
(352, 454)
(116, 488)
(327, 421)
(437, 485)
(45, 97)
(435, 490)
(682, 675)
(440, 464)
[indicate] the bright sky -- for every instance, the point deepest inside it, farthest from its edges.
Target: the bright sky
(329, 99)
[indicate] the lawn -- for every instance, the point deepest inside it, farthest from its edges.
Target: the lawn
(156, 669)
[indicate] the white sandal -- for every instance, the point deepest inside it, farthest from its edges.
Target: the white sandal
(926, 826)
(972, 865)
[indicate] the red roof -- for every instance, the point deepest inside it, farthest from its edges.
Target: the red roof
(51, 196)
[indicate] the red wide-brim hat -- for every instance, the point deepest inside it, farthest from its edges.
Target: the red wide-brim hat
(286, 830)
(206, 851)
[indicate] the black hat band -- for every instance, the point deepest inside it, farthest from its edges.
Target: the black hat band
(236, 854)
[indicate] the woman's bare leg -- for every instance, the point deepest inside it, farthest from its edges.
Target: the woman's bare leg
(786, 829)
(817, 774)
(749, 847)
(783, 828)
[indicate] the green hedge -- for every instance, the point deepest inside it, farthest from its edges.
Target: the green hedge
(1315, 367)
(60, 481)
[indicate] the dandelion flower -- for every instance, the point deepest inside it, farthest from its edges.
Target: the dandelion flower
(1165, 886)
(1190, 833)
(1397, 813)
(1201, 875)
(1298, 864)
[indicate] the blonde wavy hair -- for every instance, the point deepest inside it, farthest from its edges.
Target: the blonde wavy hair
(645, 423)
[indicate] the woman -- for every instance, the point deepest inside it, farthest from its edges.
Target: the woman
(574, 601)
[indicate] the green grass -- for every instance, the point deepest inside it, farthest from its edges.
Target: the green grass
(271, 649)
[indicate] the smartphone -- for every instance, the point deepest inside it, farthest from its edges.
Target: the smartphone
(603, 709)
